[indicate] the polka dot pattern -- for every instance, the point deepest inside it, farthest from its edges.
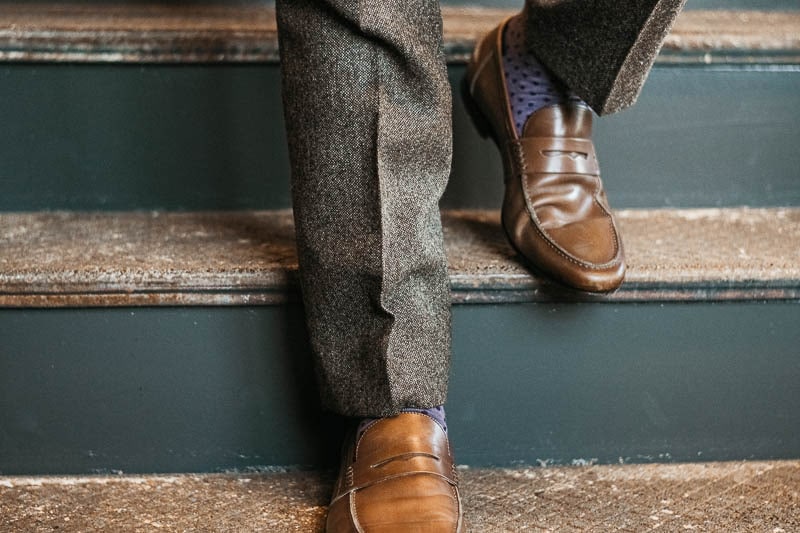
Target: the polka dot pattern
(530, 85)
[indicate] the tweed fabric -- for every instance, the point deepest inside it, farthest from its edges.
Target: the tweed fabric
(530, 85)
(368, 113)
(602, 50)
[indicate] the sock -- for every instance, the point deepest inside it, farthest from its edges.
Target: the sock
(437, 413)
(530, 85)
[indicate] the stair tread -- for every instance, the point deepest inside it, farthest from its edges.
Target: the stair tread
(244, 33)
(248, 257)
(735, 496)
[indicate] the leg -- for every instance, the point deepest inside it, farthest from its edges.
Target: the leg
(601, 49)
(555, 210)
(367, 106)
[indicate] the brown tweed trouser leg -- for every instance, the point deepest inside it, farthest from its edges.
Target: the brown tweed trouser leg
(602, 50)
(368, 113)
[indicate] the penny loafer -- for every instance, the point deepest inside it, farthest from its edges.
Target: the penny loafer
(397, 477)
(555, 211)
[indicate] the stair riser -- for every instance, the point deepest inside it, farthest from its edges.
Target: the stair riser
(207, 389)
(211, 137)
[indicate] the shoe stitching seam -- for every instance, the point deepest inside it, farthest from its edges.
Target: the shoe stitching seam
(458, 507)
(354, 513)
(598, 188)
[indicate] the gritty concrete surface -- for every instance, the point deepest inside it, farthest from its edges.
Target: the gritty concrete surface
(168, 32)
(133, 258)
(729, 497)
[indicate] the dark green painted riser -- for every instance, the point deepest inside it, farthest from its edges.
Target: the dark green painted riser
(208, 389)
(211, 137)
(691, 4)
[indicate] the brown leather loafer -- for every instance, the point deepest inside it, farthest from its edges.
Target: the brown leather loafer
(555, 211)
(398, 477)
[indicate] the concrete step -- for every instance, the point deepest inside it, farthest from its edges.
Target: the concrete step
(233, 258)
(189, 365)
(247, 33)
(731, 497)
(178, 107)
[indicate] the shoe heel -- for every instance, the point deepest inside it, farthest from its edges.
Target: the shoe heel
(474, 112)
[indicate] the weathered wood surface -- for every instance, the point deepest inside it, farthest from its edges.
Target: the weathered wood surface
(217, 33)
(135, 258)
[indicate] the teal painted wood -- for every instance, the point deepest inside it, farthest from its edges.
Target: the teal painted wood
(210, 389)
(211, 137)
(119, 137)
(156, 390)
(564, 384)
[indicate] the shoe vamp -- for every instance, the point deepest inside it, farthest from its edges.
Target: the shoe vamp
(414, 503)
(571, 212)
(562, 199)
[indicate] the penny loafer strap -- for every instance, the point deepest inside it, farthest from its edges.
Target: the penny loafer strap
(559, 155)
(376, 478)
(364, 474)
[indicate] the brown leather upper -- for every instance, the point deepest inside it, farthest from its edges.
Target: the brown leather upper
(398, 477)
(555, 210)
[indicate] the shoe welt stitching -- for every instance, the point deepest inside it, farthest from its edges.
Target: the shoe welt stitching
(349, 476)
(354, 513)
(597, 190)
(458, 506)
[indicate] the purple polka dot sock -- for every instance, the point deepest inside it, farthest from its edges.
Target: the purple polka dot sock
(530, 85)
(437, 413)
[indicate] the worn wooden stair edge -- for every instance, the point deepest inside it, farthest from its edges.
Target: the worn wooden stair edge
(241, 34)
(63, 259)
